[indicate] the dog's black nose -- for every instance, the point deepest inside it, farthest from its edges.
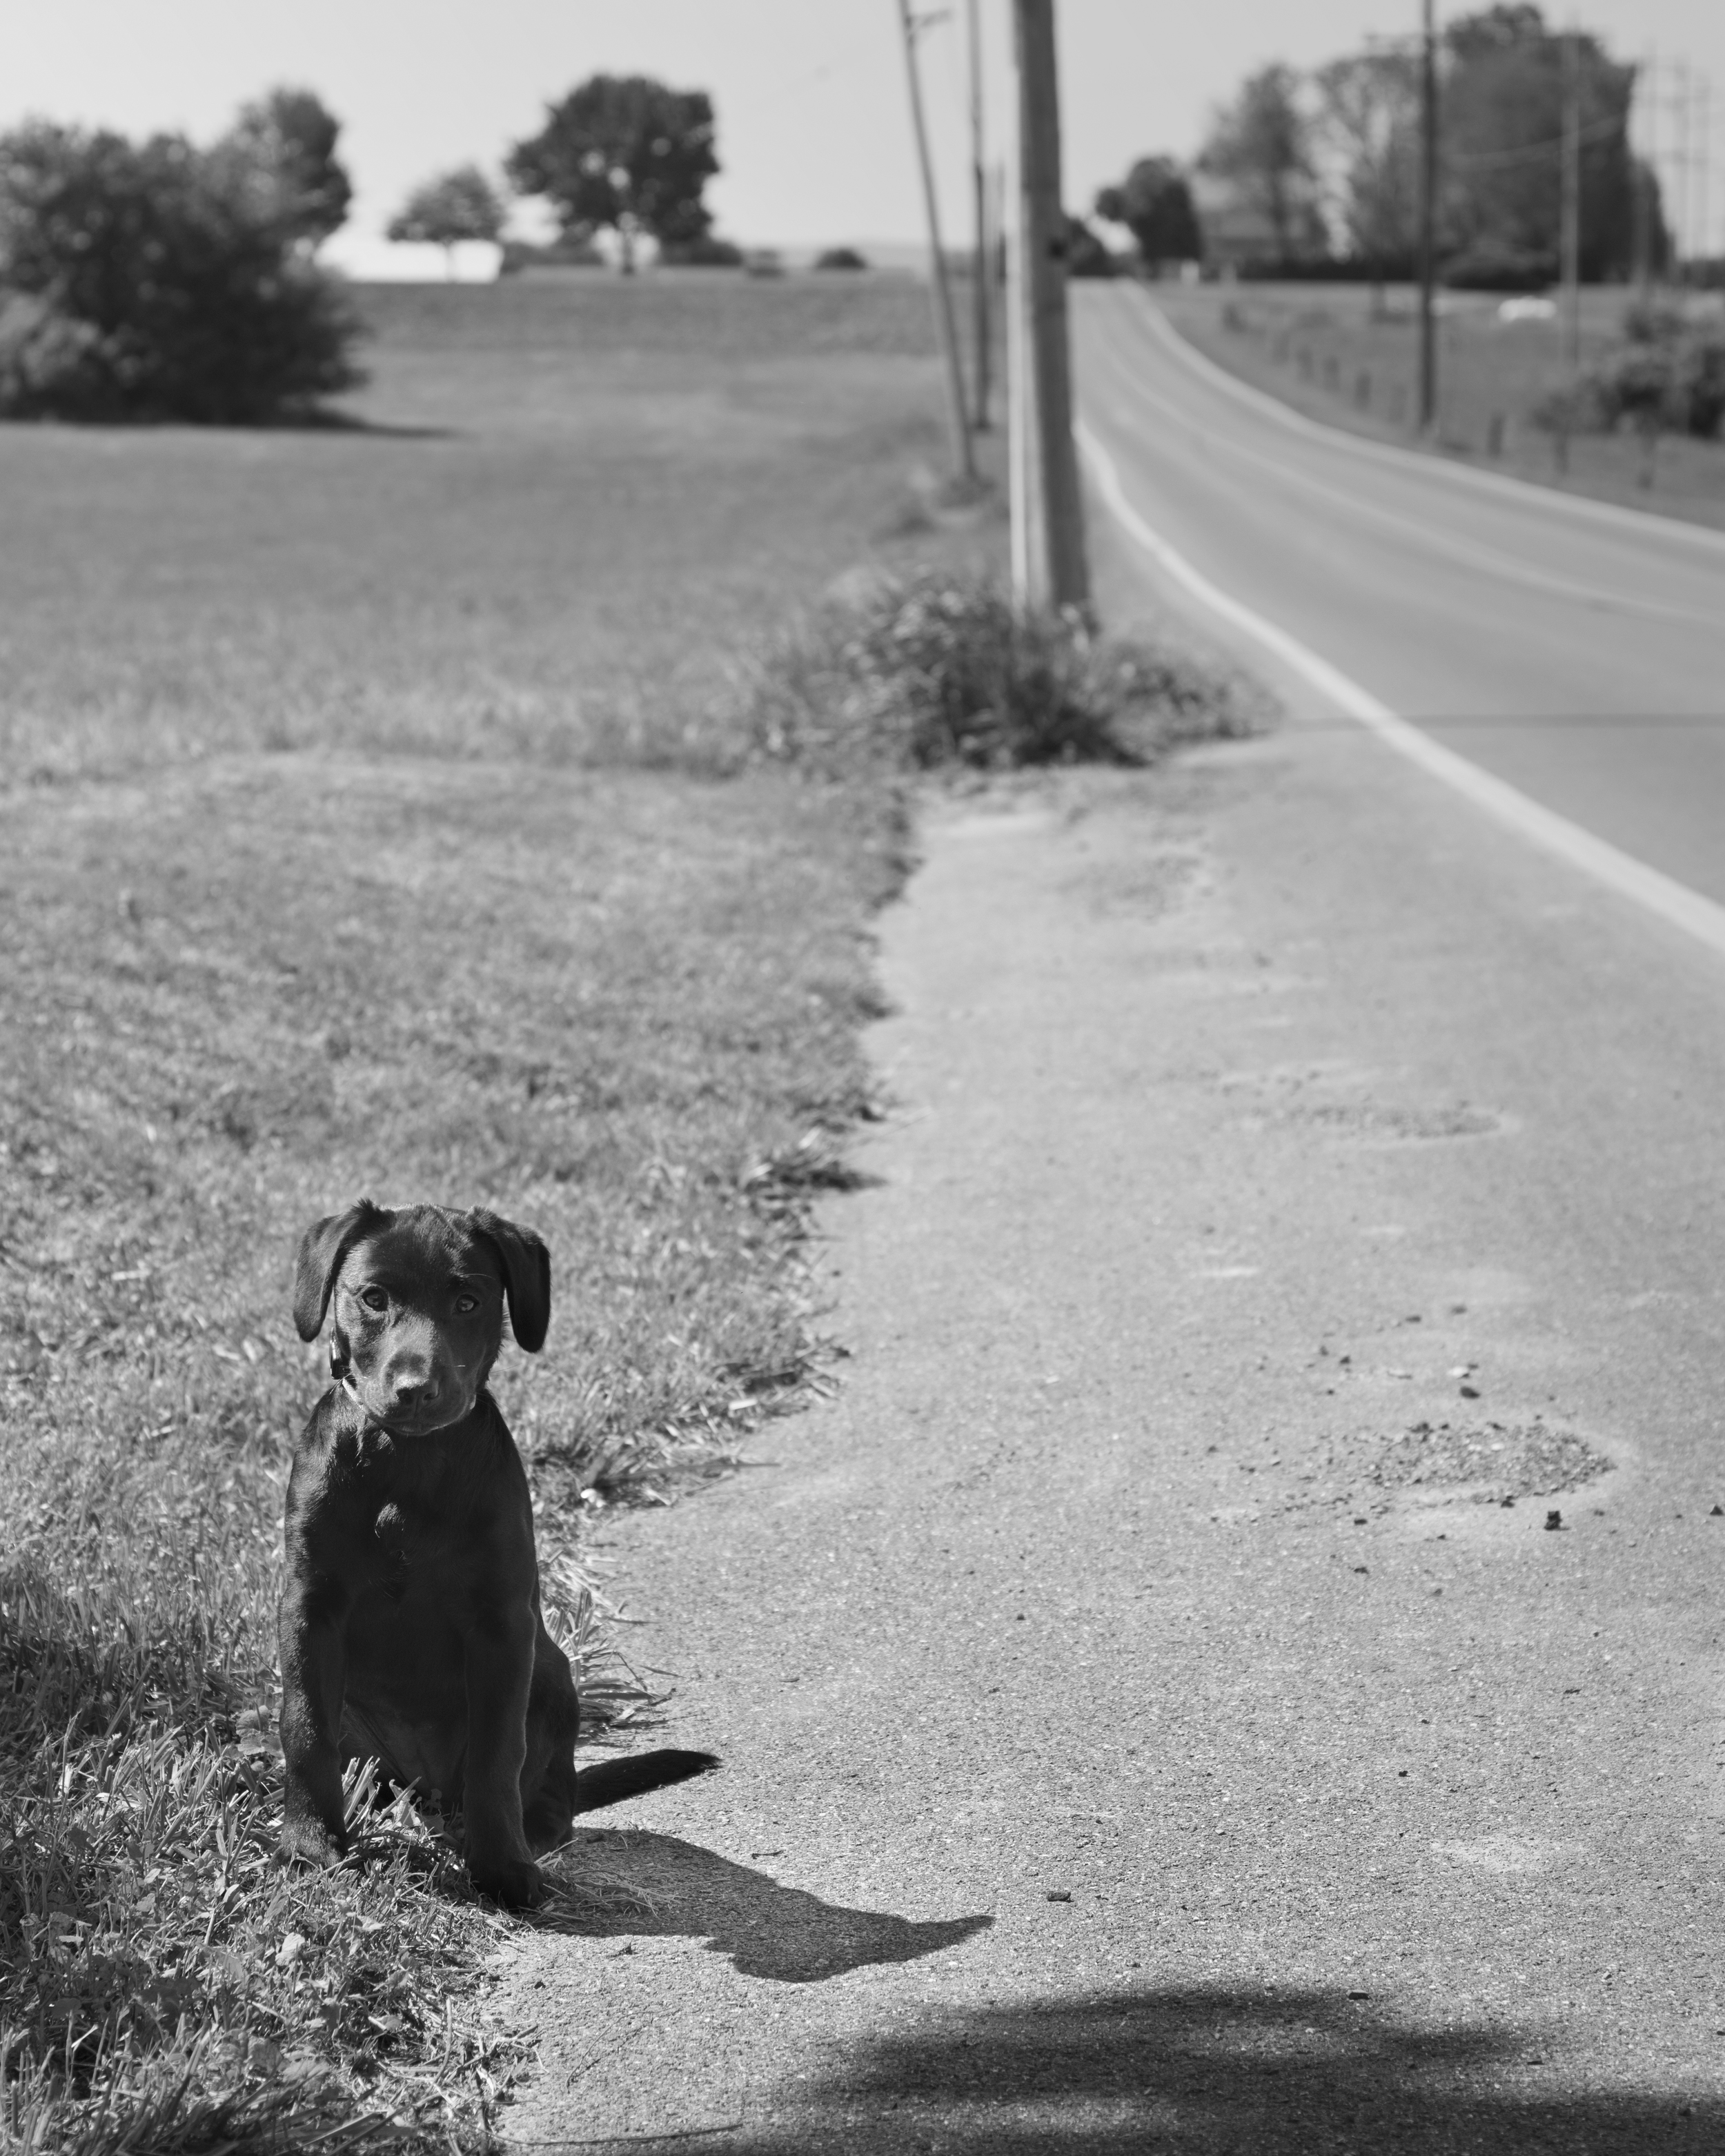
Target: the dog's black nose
(408, 1391)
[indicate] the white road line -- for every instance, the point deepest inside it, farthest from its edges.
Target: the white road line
(1640, 523)
(1472, 554)
(1656, 893)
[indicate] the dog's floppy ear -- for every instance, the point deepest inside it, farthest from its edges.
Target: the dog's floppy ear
(321, 1249)
(526, 1275)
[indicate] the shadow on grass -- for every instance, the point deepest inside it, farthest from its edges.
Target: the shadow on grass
(620, 1884)
(1268, 2071)
(349, 425)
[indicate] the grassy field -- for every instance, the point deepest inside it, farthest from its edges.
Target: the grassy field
(1320, 349)
(561, 509)
(363, 829)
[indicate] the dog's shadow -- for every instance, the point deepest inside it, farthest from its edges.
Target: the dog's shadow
(610, 1883)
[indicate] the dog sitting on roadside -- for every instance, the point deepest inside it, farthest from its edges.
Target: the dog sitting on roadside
(411, 1631)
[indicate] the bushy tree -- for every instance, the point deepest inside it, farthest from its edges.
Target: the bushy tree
(458, 205)
(1502, 159)
(1666, 374)
(625, 153)
(283, 149)
(1367, 131)
(156, 281)
(1262, 143)
(1155, 201)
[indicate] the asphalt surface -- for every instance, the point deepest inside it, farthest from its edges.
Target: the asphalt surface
(1575, 649)
(1289, 1166)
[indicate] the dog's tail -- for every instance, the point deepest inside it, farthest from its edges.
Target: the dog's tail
(613, 1779)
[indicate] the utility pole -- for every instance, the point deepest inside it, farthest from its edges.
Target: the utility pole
(1641, 167)
(945, 328)
(1679, 73)
(1428, 219)
(1570, 220)
(981, 309)
(1049, 562)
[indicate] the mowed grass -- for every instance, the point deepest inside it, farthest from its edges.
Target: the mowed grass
(364, 832)
(1320, 349)
(569, 503)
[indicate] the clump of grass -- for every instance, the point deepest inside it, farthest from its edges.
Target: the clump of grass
(938, 669)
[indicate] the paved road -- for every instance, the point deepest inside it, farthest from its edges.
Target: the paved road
(1576, 650)
(1146, 1725)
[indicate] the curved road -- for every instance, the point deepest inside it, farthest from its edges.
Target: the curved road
(1576, 650)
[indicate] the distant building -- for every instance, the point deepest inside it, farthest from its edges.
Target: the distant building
(1235, 230)
(1239, 233)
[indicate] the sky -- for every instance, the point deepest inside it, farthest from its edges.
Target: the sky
(813, 132)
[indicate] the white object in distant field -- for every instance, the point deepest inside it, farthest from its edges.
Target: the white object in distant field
(412, 261)
(1528, 307)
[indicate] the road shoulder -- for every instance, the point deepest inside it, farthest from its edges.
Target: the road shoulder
(1240, 1107)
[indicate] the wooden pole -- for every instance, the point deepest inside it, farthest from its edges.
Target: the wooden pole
(1428, 219)
(1570, 222)
(1024, 495)
(1058, 570)
(1655, 193)
(1679, 75)
(982, 310)
(945, 328)
(1640, 158)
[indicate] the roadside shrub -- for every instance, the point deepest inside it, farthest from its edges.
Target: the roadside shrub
(840, 257)
(1667, 375)
(1498, 265)
(936, 669)
(158, 281)
(704, 251)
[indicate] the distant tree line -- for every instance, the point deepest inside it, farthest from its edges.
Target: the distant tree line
(1302, 172)
(163, 281)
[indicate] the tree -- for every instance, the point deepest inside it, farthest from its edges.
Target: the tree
(458, 205)
(1261, 143)
(623, 152)
(1367, 139)
(1155, 202)
(1502, 138)
(285, 148)
(158, 281)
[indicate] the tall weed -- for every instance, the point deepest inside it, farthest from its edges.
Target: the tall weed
(936, 669)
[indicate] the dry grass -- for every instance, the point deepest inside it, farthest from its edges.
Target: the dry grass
(1319, 348)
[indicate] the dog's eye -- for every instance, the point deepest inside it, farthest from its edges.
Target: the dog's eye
(464, 1303)
(374, 1298)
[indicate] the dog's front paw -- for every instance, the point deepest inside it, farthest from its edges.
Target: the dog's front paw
(515, 1881)
(310, 1842)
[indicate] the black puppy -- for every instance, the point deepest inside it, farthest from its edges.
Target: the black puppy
(410, 1624)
